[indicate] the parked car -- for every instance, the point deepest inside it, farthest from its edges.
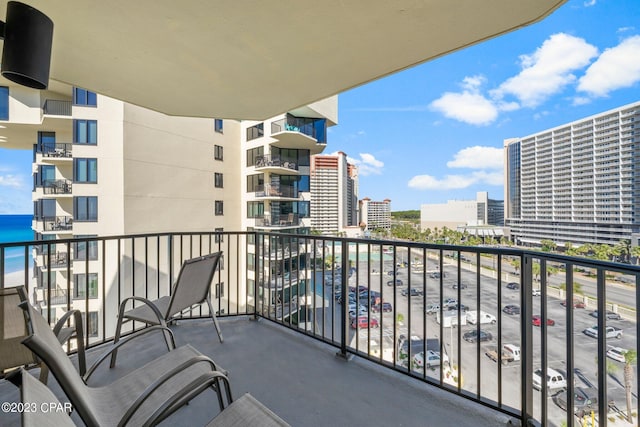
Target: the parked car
(617, 353)
(450, 301)
(413, 291)
(436, 275)
(360, 311)
(457, 307)
(397, 282)
(536, 292)
(511, 309)
(472, 336)
(461, 286)
(364, 322)
(555, 380)
(513, 285)
(609, 314)
(576, 303)
(431, 360)
(432, 308)
(610, 332)
(536, 320)
(386, 307)
(585, 400)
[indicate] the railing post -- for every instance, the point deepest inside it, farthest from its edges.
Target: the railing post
(526, 354)
(344, 326)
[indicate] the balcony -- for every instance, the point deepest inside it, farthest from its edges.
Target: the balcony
(55, 107)
(277, 192)
(275, 164)
(281, 221)
(287, 358)
(300, 133)
(58, 224)
(57, 187)
(54, 151)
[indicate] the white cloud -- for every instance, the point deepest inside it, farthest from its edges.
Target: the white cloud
(580, 100)
(367, 164)
(478, 157)
(625, 29)
(548, 70)
(618, 67)
(467, 107)
(455, 182)
(11, 181)
(589, 3)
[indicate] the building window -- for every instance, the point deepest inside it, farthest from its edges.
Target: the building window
(217, 152)
(4, 103)
(217, 180)
(81, 285)
(254, 154)
(304, 183)
(255, 183)
(218, 125)
(85, 170)
(84, 97)
(219, 207)
(85, 132)
(85, 208)
(80, 249)
(92, 324)
(255, 131)
(255, 209)
(219, 238)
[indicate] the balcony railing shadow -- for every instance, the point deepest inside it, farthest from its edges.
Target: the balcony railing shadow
(347, 294)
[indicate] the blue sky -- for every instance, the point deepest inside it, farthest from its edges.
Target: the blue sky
(435, 132)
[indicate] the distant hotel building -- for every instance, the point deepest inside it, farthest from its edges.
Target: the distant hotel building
(334, 194)
(375, 215)
(454, 214)
(577, 182)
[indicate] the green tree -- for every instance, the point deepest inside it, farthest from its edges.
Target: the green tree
(635, 251)
(515, 263)
(630, 358)
(622, 250)
(548, 245)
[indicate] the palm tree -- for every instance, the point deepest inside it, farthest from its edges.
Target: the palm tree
(630, 358)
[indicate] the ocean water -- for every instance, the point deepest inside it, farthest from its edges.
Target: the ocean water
(15, 228)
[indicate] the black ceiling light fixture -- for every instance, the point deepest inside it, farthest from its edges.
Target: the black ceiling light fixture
(27, 34)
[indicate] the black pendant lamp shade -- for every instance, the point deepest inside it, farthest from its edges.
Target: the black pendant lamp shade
(26, 57)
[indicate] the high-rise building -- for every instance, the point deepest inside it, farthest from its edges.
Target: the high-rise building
(333, 193)
(457, 213)
(103, 167)
(375, 215)
(576, 182)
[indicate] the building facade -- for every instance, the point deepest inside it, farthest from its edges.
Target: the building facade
(458, 213)
(577, 182)
(103, 167)
(333, 193)
(375, 215)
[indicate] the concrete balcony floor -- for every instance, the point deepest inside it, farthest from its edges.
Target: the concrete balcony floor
(297, 377)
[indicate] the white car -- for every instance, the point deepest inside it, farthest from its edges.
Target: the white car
(536, 292)
(357, 312)
(432, 359)
(617, 353)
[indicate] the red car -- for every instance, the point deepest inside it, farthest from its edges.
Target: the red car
(576, 303)
(363, 322)
(537, 321)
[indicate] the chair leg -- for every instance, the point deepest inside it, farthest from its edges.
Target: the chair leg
(116, 338)
(215, 319)
(44, 373)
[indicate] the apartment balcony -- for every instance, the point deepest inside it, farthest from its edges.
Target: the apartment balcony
(56, 107)
(287, 359)
(57, 187)
(57, 261)
(274, 164)
(300, 133)
(286, 192)
(280, 221)
(55, 152)
(58, 224)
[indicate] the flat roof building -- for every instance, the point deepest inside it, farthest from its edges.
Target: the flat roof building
(456, 213)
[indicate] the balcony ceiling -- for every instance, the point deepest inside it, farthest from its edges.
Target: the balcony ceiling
(254, 60)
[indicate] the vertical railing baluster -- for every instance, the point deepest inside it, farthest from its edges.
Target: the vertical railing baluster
(499, 321)
(602, 348)
(568, 344)
(526, 350)
(344, 332)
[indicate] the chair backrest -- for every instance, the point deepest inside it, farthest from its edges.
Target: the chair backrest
(49, 411)
(194, 282)
(43, 342)
(13, 329)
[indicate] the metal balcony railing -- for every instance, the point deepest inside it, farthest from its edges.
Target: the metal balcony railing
(57, 107)
(315, 128)
(57, 223)
(349, 294)
(275, 161)
(55, 149)
(270, 190)
(57, 186)
(285, 220)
